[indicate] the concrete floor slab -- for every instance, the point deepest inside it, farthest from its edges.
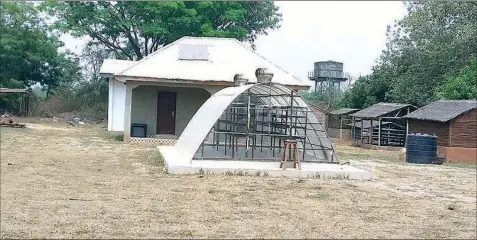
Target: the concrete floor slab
(177, 165)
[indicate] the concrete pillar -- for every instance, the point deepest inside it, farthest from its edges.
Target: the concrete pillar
(127, 111)
(110, 104)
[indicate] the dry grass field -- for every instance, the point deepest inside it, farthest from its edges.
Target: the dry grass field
(60, 181)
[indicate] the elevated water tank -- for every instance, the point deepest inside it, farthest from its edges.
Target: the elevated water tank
(421, 148)
(328, 69)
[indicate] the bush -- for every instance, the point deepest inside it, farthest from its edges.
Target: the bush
(87, 100)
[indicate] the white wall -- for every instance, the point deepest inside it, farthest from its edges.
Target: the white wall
(144, 103)
(117, 97)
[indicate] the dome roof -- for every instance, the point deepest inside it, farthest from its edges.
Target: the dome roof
(251, 122)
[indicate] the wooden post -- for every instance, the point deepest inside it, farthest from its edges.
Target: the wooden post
(341, 126)
(379, 132)
(407, 133)
(361, 130)
(27, 104)
(407, 128)
(353, 135)
(370, 132)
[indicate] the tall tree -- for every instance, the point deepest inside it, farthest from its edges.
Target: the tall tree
(134, 29)
(462, 86)
(93, 90)
(28, 52)
(435, 40)
(366, 91)
(432, 43)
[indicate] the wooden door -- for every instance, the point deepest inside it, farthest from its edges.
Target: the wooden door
(166, 113)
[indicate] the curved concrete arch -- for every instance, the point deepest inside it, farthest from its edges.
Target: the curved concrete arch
(204, 119)
(208, 114)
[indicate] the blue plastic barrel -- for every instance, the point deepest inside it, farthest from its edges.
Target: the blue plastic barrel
(421, 148)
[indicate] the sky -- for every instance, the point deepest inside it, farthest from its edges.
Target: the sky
(352, 32)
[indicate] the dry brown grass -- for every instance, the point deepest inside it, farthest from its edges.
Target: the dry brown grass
(66, 182)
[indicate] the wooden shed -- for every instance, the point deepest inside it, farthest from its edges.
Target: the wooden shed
(339, 122)
(454, 122)
(381, 124)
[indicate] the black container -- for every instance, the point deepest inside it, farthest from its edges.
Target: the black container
(421, 148)
(138, 130)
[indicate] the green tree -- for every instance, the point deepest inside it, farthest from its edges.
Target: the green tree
(92, 91)
(330, 96)
(134, 29)
(366, 91)
(462, 86)
(28, 52)
(434, 40)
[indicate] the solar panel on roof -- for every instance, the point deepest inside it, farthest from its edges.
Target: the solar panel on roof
(193, 52)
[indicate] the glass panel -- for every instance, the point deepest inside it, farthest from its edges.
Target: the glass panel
(257, 123)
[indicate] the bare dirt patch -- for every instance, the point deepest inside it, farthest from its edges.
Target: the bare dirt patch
(59, 181)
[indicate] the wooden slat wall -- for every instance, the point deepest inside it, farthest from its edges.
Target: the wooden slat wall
(441, 130)
(334, 121)
(464, 130)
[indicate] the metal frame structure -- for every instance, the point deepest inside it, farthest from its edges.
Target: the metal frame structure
(257, 123)
(328, 74)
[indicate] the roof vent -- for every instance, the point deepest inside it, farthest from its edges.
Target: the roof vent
(263, 75)
(240, 80)
(193, 52)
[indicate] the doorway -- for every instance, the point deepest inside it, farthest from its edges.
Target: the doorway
(166, 113)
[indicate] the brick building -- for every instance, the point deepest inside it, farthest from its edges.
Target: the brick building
(454, 122)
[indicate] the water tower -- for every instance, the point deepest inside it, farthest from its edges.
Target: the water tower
(328, 74)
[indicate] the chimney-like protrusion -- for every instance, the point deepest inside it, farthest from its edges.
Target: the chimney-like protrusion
(240, 80)
(263, 75)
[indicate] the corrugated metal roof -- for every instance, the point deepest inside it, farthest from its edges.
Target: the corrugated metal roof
(114, 66)
(443, 110)
(227, 57)
(379, 109)
(342, 111)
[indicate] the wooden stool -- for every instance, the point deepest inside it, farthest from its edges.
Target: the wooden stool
(290, 146)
